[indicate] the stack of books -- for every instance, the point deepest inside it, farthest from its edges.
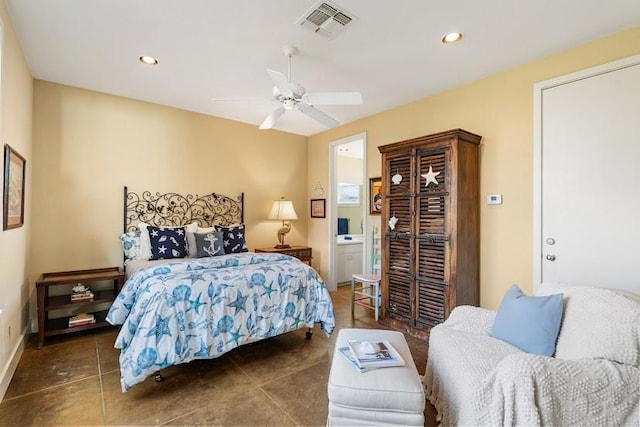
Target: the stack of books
(81, 320)
(81, 293)
(368, 355)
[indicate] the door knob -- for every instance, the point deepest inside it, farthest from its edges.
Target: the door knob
(550, 257)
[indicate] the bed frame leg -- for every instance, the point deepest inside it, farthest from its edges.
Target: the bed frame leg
(158, 377)
(309, 333)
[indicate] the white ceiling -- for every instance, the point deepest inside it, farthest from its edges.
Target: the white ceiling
(221, 48)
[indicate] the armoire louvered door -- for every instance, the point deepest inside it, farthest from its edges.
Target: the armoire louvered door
(430, 258)
(399, 242)
(431, 238)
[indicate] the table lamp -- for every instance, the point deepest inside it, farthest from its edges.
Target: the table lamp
(283, 210)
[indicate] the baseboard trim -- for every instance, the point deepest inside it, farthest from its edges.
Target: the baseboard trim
(10, 368)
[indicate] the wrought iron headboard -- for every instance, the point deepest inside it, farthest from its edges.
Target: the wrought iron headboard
(173, 209)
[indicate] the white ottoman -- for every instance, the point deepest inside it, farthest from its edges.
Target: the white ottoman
(384, 396)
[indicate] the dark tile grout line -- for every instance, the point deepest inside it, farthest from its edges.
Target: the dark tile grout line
(268, 396)
(168, 422)
(258, 385)
(29, 393)
(275, 401)
(99, 374)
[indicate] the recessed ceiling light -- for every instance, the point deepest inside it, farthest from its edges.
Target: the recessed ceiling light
(452, 38)
(149, 60)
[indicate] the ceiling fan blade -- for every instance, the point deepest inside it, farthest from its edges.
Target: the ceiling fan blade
(238, 99)
(335, 98)
(281, 82)
(317, 115)
(272, 118)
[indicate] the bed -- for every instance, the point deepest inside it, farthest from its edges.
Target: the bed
(177, 309)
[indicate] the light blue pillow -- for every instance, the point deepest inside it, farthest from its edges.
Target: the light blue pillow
(530, 323)
(131, 245)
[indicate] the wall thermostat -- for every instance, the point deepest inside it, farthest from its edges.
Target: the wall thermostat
(494, 199)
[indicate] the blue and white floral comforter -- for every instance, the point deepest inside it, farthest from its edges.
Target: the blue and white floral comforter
(202, 308)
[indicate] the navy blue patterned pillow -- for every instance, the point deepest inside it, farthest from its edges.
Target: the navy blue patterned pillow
(167, 242)
(233, 239)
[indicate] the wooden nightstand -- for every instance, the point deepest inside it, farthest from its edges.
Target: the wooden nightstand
(98, 306)
(303, 253)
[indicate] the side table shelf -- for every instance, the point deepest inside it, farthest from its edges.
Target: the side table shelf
(50, 326)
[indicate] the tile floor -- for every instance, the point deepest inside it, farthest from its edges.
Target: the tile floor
(280, 381)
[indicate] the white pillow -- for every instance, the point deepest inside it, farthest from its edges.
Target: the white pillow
(145, 243)
(599, 324)
(192, 251)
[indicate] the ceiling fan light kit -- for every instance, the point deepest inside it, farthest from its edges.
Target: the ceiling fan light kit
(293, 96)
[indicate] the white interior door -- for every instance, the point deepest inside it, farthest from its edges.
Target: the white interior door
(588, 199)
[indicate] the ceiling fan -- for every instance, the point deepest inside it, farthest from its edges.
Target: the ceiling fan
(293, 95)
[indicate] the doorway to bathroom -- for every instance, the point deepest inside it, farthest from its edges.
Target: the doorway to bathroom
(348, 208)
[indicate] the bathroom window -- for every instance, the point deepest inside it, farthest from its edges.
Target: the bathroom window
(348, 194)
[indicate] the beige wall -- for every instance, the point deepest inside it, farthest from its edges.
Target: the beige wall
(500, 108)
(15, 130)
(88, 146)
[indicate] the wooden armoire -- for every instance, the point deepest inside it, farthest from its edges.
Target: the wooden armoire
(430, 257)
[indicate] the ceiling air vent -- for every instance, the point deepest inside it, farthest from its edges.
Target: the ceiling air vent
(326, 19)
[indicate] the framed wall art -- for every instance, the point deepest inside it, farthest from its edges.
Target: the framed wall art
(13, 194)
(318, 208)
(375, 195)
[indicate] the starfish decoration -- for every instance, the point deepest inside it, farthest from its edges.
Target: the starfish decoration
(161, 328)
(239, 303)
(268, 290)
(203, 351)
(144, 290)
(430, 177)
(235, 336)
(195, 304)
(194, 277)
(300, 293)
(296, 320)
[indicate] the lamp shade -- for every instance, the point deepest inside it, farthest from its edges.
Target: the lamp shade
(282, 210)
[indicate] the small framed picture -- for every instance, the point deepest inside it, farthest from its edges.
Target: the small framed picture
(318, 207)
(375, 195)
(13, 194)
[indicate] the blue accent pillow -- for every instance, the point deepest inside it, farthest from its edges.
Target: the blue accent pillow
(209, 244)
(530, 323)
(233, 239)
(131, 245)
(167, 242)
